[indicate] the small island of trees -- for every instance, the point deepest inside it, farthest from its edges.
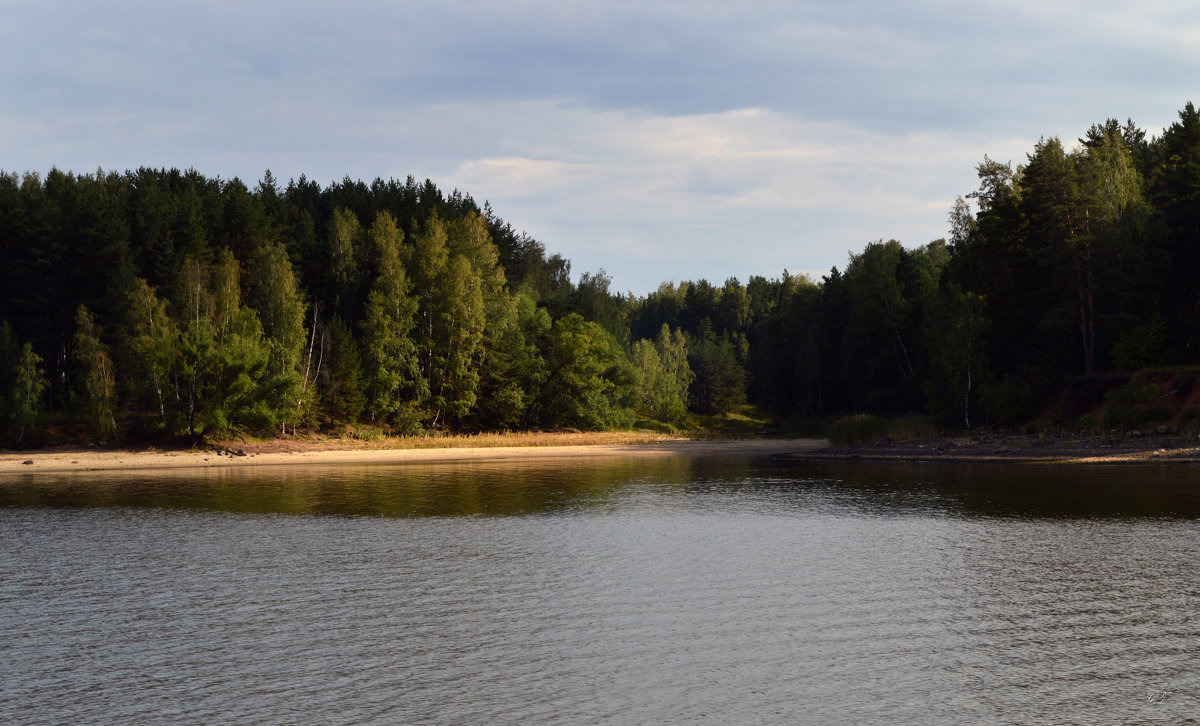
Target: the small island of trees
(160, 304)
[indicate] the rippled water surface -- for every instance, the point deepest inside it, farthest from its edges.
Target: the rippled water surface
(617, 591)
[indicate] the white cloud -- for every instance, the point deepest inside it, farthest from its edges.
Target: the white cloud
(749, 191)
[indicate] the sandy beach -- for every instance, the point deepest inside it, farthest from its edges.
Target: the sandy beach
(76, 460)
(297, 452)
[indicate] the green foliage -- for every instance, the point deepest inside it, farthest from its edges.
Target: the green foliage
(856, 430)
(341, 375)
(163, 303)
(345, 241)
(450, 322)
(392, 376)
(720, 379)
(884, 360)
(955, 326)
(662, 376)
(588, 379)
(1012, 399)
(1128, 405)
(98, 374)
(223, 354)
(362, 432)
(911, 427)
(151, 342)
(1141, 346)
(860, 429)
(512, 368)
(22, 386)
(648, 375)
(216, 327)
(275, 296)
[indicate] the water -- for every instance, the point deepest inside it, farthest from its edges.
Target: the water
(618, 591)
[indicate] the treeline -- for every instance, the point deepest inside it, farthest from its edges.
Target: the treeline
(161, 303)
(1075, 262)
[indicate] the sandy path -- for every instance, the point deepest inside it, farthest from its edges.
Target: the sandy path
(92, 460)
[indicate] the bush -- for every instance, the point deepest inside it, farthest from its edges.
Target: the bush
(1126, 404)
(1142, 346)
(861, 428)
(659, 427)
(911, 427)
(365, 433)
(1013, 399)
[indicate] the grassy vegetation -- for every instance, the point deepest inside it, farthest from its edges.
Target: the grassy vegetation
(744, 420)
(864, 428)
(373, 438)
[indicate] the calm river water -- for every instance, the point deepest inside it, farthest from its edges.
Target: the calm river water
(616, 591)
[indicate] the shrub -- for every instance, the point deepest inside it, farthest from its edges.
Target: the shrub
(365, 433)
(860, 428)
(1125, 403)
(911, 427)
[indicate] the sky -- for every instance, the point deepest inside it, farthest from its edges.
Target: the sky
(660, 141)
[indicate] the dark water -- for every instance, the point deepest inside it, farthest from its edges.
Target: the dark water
(626, 591)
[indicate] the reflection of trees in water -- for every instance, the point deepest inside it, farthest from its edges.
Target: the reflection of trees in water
(1010, 490)
(504, 488)
(411, 490)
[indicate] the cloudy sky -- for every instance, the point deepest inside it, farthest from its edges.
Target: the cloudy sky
(659, 141)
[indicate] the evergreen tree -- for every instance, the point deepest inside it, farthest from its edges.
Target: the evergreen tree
(720, 379)
(344, 243)
(341, 376)
(223, 353)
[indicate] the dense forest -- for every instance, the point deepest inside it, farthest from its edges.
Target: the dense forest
(161, 304)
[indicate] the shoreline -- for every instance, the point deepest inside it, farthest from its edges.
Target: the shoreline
(89, 460)
(1019, 449)
(1008, 449)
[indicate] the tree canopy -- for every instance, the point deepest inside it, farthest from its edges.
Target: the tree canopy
(162, 303)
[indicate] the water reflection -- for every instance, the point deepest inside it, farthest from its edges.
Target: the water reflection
(614, 591)
(686, 484)
(1012, 490)
(419, 490)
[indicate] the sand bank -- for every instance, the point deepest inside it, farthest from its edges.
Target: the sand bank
(74, 460)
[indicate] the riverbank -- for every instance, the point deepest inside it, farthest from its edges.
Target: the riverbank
(287, 452)
(1057, 448)
(1031, 448)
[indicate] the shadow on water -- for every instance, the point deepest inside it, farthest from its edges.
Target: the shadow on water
(683, 484)
(1135, 491)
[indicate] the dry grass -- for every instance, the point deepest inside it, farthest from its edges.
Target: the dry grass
(454, 441)
(528, 438)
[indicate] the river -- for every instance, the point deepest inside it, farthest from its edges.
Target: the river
(702, 590)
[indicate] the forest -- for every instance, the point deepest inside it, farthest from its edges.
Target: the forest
(160, 304)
